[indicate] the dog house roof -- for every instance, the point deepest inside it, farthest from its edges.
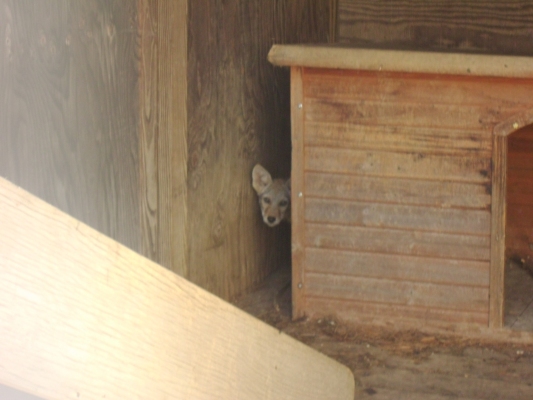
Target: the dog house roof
(401, 61)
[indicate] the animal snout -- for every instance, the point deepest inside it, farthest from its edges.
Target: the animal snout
(271, 219)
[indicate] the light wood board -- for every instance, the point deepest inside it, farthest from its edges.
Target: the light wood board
(82, 316)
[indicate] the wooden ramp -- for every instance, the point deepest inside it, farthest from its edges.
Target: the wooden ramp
(82, 316)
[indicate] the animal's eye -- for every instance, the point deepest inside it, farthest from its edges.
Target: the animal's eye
(266, 200)
(283, 203)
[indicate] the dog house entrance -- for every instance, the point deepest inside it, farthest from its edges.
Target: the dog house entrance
(518, 276)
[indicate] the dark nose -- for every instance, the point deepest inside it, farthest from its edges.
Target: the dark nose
(271, 219)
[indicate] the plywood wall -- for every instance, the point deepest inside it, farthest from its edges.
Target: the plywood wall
(454, 25)
(68, 125)
(238, 115)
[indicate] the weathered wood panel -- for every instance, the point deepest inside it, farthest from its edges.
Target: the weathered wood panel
(68, 125)
(407, 293)
(397, 190)
(430, 244)
(398, 165)
(383, 313)
(454, 25)
(393, 114)
(519, 199)
(416, 218)
(397, 267)
(238, 115)
(431, 139)
(407, 87)
(82, 316)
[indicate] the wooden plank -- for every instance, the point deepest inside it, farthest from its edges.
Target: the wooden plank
(68, 125)
(497, 252)
(163, 132)
(398, 267)
(381, 215)
(403, 87)
(427, 140)
(418, 114)
(398, 164)
(443, 25)
(405, 316)
(400, 61)
(430, 244)
(298, 110)
(397, 190)
(384, 291)
(82, 316)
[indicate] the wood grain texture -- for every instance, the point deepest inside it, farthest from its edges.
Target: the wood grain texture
(381, 314)
(389, 164)
(163, 132)
(431, 139)
(82, 316)
(68, 125)
(238, 113)
(416, 218)
(397, 190)
(397, 241)
(357, 288)
(397, 267)
(446, 25)
(335, 84)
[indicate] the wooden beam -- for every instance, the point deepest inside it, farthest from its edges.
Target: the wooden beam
(400, 61)
(82, 316)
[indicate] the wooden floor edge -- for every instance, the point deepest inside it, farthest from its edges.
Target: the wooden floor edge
(482, 334)
(82, 316)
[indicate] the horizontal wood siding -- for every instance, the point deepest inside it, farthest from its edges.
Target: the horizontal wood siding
(445, 25)
(519, 229)
(397, 181)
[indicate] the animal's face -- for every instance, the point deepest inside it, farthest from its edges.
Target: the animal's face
(274, 196)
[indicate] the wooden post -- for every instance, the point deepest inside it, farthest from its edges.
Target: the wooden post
(297, 190)
(497, 242)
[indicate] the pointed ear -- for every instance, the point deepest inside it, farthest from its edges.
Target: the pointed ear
(261, 179)
(288, 185)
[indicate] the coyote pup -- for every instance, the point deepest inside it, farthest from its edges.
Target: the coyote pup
(274, 196)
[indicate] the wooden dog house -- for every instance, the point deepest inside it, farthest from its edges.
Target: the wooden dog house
(399, 182)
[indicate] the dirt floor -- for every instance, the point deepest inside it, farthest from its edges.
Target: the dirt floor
(403, 364)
